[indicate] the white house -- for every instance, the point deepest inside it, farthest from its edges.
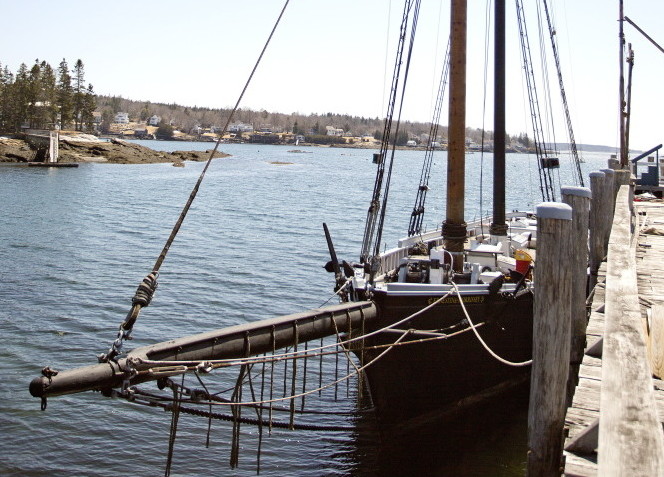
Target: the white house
(332, 131)
(121, 118)
(154, 120)
(240, 128)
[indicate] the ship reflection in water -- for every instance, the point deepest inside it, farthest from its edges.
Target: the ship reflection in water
(490, 440)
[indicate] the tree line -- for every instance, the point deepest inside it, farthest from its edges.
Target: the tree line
(41, 97)
(185, 118)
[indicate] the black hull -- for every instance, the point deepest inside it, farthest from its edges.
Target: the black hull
(423, 380)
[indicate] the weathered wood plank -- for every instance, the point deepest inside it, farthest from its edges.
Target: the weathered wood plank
(656, 340)
(630, 437)
(576, 466)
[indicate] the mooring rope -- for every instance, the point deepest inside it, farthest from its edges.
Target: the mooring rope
(479, 338)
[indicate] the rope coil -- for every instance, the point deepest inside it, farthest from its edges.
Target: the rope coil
(145, 290)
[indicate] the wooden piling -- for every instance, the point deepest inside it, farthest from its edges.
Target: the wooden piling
(597, 220)
(578, 198)
(551, 340)
(622, 177)
(610, 198)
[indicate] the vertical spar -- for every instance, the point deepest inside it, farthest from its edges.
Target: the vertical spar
(454, 227)
(621, 41)
(498, 225)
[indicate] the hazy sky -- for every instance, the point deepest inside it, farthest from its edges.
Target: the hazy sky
(331, 56)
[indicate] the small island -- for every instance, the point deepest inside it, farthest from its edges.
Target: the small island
(75, 147)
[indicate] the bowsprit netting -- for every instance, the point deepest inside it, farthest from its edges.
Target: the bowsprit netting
(310, 386)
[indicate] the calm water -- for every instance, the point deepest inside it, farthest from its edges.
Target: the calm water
(74, 244)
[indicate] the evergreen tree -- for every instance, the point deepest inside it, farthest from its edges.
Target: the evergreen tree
(88, 107)
(106, 120)
(145, 112)
(79, 93)
(32, 99)
(402, 138)
(48, 93)
(6, 79)
(164, 131)
(64, 94)
(20, 93)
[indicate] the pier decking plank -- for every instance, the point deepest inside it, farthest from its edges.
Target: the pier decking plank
(584, 410)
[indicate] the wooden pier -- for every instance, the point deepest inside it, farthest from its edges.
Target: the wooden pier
(614, 423)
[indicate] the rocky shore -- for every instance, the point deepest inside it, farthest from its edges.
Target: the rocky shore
(86, 148)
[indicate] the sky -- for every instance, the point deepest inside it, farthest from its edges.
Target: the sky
(338, 57)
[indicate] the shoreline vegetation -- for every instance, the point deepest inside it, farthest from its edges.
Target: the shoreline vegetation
(45, 98)
(76, 147)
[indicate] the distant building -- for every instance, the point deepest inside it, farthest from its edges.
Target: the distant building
(96, 120)
(154, 120)
(332, 131)
(240, 128)
(141, 132)
(121, 118)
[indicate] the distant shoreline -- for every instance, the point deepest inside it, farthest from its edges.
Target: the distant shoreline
(77, 147)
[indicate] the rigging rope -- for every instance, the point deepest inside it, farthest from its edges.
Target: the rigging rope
(546, 184)
(417, 215)
(127, 325)
(375, 207)
(148, 399)
(217, 363)
(131, 393)
(486, 69)
(386, 193)
(572, 141)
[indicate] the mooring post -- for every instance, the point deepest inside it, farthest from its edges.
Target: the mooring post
(598, 212)
(610, 198)
(578, 198)
(622, 177)
(613, 162)
(551, 340)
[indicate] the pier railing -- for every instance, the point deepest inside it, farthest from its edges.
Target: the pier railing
(630, 434)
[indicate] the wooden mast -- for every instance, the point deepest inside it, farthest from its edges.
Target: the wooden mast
(454, 227)
(498, 226)
(621, 36)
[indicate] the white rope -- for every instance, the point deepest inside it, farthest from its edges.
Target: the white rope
(279, 357)
(486, 347)
(182, 368)
(336, 293)
(357, 371)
